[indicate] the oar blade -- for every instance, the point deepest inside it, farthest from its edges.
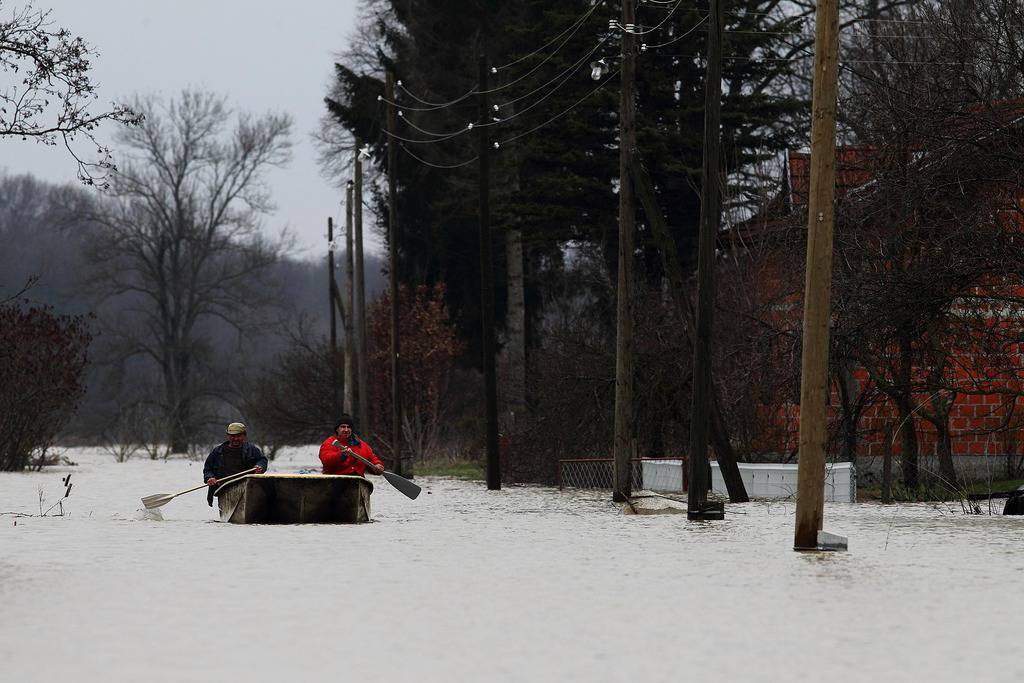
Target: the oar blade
(157, 500)
(402, 484)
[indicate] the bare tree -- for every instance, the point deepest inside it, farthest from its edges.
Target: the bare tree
(49, 94)
(928, 250)
(181, 239)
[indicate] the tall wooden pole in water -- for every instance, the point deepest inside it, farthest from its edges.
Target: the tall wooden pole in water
(710, 219)
(487, 287)
(818, 284)
(624, 426)
(401, 467)
(363, 389)
(349, 307)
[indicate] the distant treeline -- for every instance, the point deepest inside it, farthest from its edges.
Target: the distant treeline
(45, 243)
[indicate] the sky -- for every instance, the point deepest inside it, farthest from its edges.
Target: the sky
(262, 56)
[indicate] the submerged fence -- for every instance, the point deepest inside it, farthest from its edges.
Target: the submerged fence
(655, 474)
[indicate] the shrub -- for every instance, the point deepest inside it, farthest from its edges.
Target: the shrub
(429, 347)
(42, 361)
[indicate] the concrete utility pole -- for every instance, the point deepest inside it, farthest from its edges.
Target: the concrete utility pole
(710, 219)
(487, 287)
(818, 284)
(401, 467)
(350, 338)
(360, 303)
(624, 427)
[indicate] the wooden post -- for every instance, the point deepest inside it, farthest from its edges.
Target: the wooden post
(350, 337)
(710, 220)
(487, 287)
(402, 468)
(624, 426)
(363, 389)
(818, 283)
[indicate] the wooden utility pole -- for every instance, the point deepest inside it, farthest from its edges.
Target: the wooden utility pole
(818, 284)
(360, 303)
(624, 426)
(401, 467)
(710, 220)
(487, 286)
(330, 285)
(350, 338)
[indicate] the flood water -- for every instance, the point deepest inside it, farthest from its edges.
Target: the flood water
(462, 584)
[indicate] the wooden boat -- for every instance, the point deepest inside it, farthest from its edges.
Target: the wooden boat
(295, 499)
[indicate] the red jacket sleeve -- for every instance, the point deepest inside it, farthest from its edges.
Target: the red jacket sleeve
(330, 455)
(371, 456)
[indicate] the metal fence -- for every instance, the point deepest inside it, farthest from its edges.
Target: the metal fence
(599, 473)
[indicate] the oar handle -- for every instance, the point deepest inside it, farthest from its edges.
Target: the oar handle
(399, 482)
(236, 475)
(352, 452)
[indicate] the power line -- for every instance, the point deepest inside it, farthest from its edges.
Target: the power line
(550, 42)
(807, 15)
(644, 32)
(645, 47)
(438, 138)
(534, 69)
(518, 136)
(562, 113)
(572, 30)
(433, 165)
(441, 136)
(431, 106)
(808, 55)
(565, 76)
(805, 34)
(571, 68)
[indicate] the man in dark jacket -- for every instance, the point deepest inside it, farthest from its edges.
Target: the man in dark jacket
(233, 456)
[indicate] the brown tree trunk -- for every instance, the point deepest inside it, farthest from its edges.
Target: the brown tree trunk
(908, 430)
(848, 397)
(908, 440)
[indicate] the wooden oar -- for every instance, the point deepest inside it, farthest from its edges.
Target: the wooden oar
(401, 483)
(159, 499)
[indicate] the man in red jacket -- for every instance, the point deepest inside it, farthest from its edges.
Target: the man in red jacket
(336, 461)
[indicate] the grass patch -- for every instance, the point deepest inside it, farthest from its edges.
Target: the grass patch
(934, 492)
(458, 469)
(995, 485)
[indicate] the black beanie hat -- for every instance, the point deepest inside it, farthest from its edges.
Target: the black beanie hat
(345, 420)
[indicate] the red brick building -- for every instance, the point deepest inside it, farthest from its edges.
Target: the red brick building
(985, 377)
